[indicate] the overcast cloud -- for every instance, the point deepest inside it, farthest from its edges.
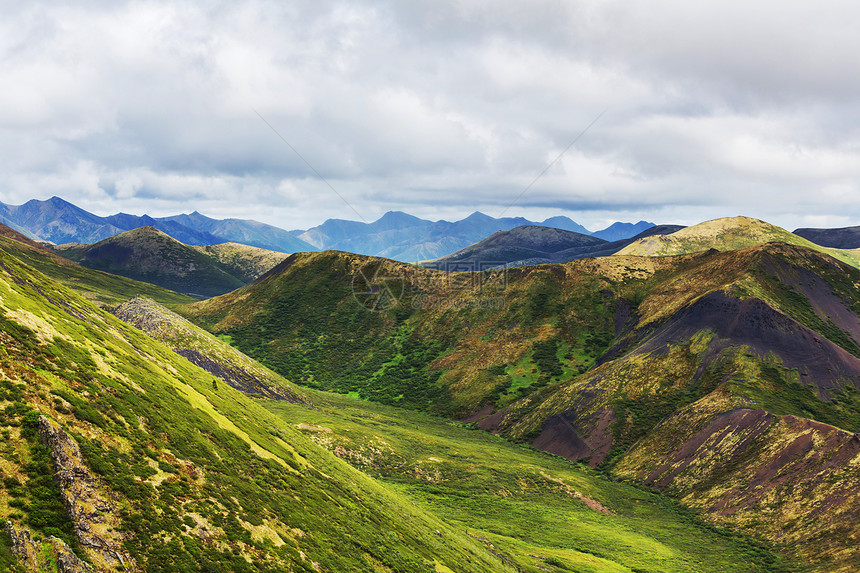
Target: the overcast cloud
(435, 108)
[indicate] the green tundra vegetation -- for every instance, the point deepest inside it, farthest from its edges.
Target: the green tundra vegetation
(101, 288)
(206, 478)
(147, 254)
(727, 380)
(727, 234)
(538, 510)
(696, 374)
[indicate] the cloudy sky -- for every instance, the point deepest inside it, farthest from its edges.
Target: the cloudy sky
(438, 108)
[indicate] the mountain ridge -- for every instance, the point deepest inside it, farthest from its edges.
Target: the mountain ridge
(152, 256)
(118, 451)
(839, 238)
(619, 349)
(147, 254)
(532, 245)
(103, 289)
(403, 237)
(729, 233)
(395, 234)
(58, 221)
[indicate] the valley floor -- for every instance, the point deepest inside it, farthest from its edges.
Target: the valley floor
(537, 511)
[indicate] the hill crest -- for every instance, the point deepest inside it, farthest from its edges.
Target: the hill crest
(150, 255)
(728, 233)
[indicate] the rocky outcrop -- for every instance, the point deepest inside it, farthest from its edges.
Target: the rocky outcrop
(92, 512)
(204, 350)
(23, 545)
(38, 556)
(67, 561)
(236, 376)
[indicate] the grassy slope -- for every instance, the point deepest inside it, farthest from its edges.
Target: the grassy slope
(242, 261)
(101, 288)
(445, 345)
(202, 348)
(207, 479)
(534, 353)
(540, 511)
(728, 234)
(149, 255)
(757, 273)
(504, 494)
(663, 400)
(782, 477)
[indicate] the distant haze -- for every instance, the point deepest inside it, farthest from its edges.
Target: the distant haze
(437, 109)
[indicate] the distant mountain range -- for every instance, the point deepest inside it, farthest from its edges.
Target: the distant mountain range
(59, 221)
(402, 237)
(395, 235)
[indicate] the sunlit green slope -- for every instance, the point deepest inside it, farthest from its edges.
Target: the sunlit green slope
(202, 478)
(541, 512)
(728, 234)
(98, 287)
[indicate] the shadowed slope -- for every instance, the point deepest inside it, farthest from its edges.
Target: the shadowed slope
(532, 245)
(201, 348)
(842, 238)
(148, 255)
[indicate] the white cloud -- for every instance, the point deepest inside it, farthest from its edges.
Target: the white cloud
(713, 108)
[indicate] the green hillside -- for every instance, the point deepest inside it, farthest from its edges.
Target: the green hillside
(728, 234)
(99, 287)
(244, 262)
(540, 511)
(146, 254)
(214, 355)
(191, 478)
(121, 454)
(623, 362)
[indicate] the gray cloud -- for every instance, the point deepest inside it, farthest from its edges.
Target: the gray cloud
(437, 108)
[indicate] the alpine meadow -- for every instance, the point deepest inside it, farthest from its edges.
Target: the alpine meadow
(692, 411)
(461, 286)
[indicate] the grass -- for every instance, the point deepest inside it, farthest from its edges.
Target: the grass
(524, 503)
(728, 234)
(305, 324)
(146, 254)
(182, 451)
(242, 261)
(8, 561)
(173, 448)
(101, 288)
